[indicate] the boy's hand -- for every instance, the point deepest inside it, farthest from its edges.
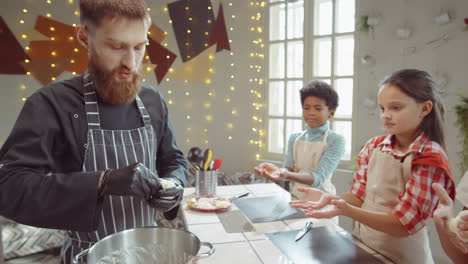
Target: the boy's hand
(269, 171)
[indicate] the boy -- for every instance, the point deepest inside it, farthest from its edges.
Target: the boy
(314, 153)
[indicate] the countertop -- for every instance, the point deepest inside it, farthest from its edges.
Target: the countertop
(249, 247)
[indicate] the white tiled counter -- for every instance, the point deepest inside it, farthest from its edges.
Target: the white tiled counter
(249, 247)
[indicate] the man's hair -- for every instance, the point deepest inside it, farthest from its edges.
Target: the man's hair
(321, 90)
(93, 11)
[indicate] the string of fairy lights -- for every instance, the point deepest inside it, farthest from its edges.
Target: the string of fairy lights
(257, 82)
(255, 63)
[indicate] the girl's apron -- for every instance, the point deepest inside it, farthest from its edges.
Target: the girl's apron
(386, 180)
(111, 149)
(306, 158)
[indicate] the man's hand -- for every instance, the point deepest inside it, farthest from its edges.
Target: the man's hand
(133, 180)
(167, 198)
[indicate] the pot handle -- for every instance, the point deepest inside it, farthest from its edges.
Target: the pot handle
(76, 259)
(209, 253)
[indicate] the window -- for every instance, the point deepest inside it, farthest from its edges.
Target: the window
(308, 40)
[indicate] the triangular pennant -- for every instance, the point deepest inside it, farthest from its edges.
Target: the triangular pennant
(197, 69)
(192, 22)
(156, 33)
(45, 70)
(12, 52)
(160, 56)
(219, 34)
(44, 50)
(54, 29)
(31, 35)
(62, 41)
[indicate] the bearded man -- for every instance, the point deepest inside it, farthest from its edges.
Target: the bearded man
(87, 154)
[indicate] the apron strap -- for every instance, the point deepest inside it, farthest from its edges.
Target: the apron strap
(295, 146)
(91, 105)
(143, 112)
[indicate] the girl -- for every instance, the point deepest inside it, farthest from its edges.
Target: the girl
(391, 196)
(313, 154)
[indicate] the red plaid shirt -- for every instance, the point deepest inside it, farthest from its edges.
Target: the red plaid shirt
(418, 201)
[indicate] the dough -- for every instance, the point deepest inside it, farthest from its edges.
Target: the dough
(166, 184)
(453, 223)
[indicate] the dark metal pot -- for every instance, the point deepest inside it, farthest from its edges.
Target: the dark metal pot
(146, 245)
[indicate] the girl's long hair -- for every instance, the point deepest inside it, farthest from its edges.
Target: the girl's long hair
(420, 86)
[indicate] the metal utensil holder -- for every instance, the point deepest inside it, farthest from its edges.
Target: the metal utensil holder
(206, 183)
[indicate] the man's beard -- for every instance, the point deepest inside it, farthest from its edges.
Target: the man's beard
(110, 89)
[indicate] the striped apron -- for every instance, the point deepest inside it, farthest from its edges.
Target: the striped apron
(111, 149)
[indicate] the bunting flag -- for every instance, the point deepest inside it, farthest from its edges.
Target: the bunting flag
(46, 70)
(12, 52)
(192, 22)
(156, 33)
(53, 47)
(219, 35)
(62, 44)
(31, 35)
(160, 56)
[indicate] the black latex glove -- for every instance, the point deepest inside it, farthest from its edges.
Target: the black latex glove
(134, 180)
(167, 199)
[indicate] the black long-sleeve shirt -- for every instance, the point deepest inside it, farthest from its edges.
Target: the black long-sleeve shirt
(41, 178)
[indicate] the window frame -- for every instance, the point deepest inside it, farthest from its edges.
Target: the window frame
(308, 39)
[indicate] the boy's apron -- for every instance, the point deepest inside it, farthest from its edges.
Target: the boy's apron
(386, 180)
(111, 149)
(306, 158)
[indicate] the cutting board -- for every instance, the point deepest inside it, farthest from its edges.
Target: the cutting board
(234, 221)
(267, 209)
(320, 245)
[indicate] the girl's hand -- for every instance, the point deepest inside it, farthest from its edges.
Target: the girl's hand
(339, 208)
(269, 171)
(443, 213)
(314, 199)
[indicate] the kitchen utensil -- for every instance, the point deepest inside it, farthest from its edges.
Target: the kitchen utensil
(234, 221)
(148, 245)
(239, 196)
(217, 163)
(303, 231)
(195, 157)
(196, 166)
(268, 209)
(320, 245)
(209, 203)
(206, 182)
(207, 156)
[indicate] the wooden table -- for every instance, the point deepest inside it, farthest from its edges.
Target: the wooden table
(249, 247)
